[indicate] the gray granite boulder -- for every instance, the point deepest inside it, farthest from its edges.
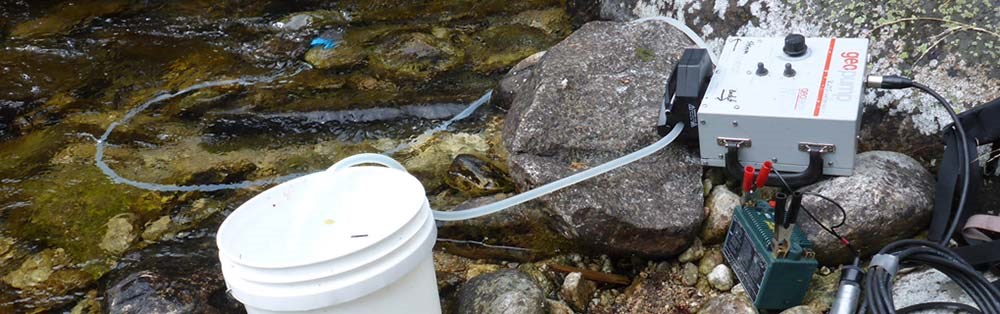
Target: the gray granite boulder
(507, 291)
(590, 99)
(889, 197)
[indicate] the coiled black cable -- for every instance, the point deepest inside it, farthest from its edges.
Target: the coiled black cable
(878, 283)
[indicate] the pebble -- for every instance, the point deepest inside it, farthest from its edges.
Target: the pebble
(721, 278)
(577, 291)
(693, 253)
(689, 275)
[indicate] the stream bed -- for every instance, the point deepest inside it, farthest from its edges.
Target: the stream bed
(221, 93)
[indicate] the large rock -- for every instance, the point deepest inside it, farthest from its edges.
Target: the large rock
(888, 198)
(592, 98)
(508, 291)
(178, 277)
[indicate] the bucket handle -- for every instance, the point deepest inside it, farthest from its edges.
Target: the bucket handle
(367, 158)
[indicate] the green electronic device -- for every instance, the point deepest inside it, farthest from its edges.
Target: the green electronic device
(773, 281)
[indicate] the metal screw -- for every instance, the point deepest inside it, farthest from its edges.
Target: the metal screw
(736, 107)
(775, 159)
(721, 155)
(703, 122)
(829, 163)
(735, 123)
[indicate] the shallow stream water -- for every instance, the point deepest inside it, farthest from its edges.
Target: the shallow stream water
(210, 93)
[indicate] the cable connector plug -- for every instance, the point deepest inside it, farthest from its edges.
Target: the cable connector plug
(888, 82)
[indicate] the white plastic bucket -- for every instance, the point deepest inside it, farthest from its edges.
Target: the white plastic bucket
(345, 240)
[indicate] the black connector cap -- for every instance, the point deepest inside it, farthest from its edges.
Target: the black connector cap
(795, 45)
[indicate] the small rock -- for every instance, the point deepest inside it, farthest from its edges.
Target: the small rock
(500, 47)
(888, 198)
(119, 235)
(728, 303)
(537, 272)
(310, 20)
(476, 270)
(89, 305)
(721, 202)
(738, 290)
(414, 56)
(475, 176)
(552, 21)
(712, 258)
(450, 269)
(506, 291)
(689, 275)
(693, 253)
(156, 229)
(577, 291)
(822, 291)
(721, 278)
(558, 307)
(46, 271)
(801, 309)
(7, 250)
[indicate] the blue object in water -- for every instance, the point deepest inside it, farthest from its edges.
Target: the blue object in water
(326, 43)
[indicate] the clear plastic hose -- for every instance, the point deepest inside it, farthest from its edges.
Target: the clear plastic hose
(526, 196)
(686, 30)
(561, 183)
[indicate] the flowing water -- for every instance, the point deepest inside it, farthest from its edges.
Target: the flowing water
(124, 123)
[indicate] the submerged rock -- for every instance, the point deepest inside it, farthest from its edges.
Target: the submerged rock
(415, 55)
(508, 291)
(120, 235)
(593, 98)
(174, 277)
(475, 176)
(502, 46)
(889, 197)
(66, 17)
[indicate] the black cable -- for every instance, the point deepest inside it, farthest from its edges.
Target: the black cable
(843, 240)
(843, 212)
(952, 306)
(963, 157)
(899, 82)
(878, 282)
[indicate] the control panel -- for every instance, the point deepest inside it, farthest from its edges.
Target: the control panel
(778, 99)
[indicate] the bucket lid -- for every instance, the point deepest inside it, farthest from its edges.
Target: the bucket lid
(320, 217)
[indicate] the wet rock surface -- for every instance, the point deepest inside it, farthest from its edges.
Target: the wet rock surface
(507, 291)
(476, 176)
(889, 197)
(587, 102)
(172, 277)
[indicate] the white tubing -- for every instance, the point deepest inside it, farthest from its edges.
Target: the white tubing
(686, 30)
(561, 183)
(530, 194)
